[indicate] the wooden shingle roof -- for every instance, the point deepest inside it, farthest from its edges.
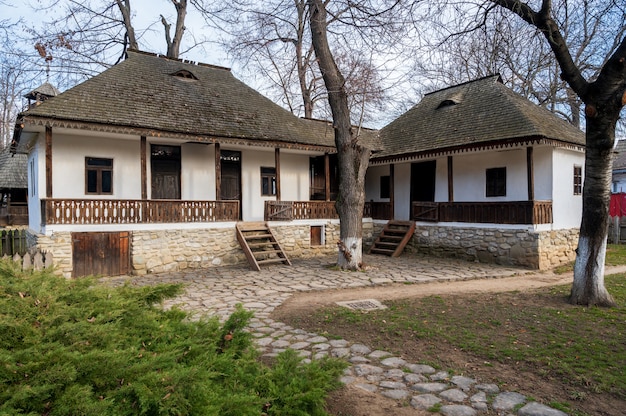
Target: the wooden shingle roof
(13, 170)
(156, 96)
(473, 115)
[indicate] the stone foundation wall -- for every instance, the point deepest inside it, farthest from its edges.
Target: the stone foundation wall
(158, 251)
(173, 250)
(557, 247)
(511, 247)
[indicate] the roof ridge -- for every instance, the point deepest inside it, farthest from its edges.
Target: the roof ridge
(181, 60)
(499, 78)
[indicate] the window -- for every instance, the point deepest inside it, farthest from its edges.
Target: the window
(578, 180)
(98, 176)
(496, 182)
(268, 181)
(384, 186)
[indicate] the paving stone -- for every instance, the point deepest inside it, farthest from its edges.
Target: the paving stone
(321, 347)
(429, 387)
(360, 349)
(358, 359)
(453, 395)
(440, 376)
(366, 369)
(317, 339)
(338, 343)
(421, 368)
(538, 409)
(378, 354)
(263, 342)
(299, 345)
(280, 344)
(464, 383)
(414, 378)
(393, 362)
(340, 352)
(424, 401)
(388, 384)
(457, 410)
(395, 394)
(508, 401)
(488, 388)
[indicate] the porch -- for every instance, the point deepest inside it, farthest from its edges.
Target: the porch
(131, 211)
(109, 211)
(513, 212)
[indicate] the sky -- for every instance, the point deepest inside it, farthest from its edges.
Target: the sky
(146, 20)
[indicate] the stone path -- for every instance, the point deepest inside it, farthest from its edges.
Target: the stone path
(216, 291)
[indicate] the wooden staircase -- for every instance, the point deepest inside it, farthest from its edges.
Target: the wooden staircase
(393, 238)
(259, 245)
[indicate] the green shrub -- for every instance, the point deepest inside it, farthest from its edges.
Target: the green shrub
(72, 347)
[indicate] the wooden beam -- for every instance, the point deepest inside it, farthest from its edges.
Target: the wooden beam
(327, 176)
(144, 169)
(450, 180)
(48, 162)
(218, 173)
(277, 164)
(392, 197)
(530, 173)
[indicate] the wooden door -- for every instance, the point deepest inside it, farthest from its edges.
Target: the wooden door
(423, 181)
(165, 168)
(105, 254)
(230, 189)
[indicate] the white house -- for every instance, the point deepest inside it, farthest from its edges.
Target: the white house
(149, 165)
(486, 174)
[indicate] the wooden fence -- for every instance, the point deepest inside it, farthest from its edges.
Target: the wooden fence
(14, 245)
(34, 259)
(12, 242)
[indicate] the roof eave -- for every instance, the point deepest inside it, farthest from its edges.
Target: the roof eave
(487, 145)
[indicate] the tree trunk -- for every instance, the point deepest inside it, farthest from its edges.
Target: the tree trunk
(173, 44)
(588, 286)
(353, 158)
(124, 6)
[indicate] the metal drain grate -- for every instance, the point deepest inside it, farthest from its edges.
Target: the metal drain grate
(362, 304)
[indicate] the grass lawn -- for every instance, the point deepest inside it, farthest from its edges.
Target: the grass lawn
(571, 357)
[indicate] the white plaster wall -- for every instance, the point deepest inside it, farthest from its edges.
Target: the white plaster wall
(294, 177)
(372, 183)
(36, 181)
(197, 172)
(441, 180)
(542, 167)
(402, 191)
(68, 158)
(470, 178)
(566, 207)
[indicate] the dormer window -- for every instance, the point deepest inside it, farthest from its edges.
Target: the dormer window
(184, 74)
(450, 101)
(446, 103)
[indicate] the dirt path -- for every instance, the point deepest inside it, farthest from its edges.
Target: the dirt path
(314, 300)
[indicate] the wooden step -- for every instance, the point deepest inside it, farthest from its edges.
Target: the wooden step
(393, 238)
(257, 252)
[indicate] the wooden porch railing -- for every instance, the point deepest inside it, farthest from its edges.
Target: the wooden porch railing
(130, 211)
(314, 210)
(513, 212)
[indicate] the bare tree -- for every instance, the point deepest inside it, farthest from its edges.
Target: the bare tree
(273, 38)
(353, 156)
(604, 95)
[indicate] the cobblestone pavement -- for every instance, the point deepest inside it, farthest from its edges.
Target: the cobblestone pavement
(216, 291)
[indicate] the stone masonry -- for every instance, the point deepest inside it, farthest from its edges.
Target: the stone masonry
(512, 247)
